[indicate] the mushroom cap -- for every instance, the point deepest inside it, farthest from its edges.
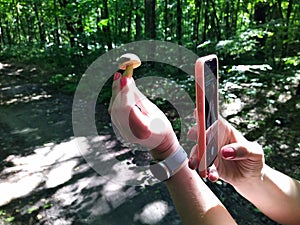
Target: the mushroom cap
(129, 59)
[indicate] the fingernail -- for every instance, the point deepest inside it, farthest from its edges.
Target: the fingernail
(228, 153)
(212, 178)
(117, 75)
(123, 82)
(213, 175)
(192, 163)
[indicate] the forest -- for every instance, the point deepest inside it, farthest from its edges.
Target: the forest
(46, 47)
(267, 28)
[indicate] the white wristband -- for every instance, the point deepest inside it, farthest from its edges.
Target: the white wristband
(165, 169)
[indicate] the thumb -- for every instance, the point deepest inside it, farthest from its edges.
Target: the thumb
(241, 150)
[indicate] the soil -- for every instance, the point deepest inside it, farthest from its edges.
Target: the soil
(45, 179)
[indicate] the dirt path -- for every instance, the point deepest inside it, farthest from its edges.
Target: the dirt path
(46, 180)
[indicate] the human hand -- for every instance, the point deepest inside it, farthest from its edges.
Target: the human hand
(139, 120)
(238, 159)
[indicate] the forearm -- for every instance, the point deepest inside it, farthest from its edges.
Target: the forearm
(194, 201)
(275, 194)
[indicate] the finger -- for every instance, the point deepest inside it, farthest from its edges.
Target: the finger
(193, 133)
(122, 85)
(137, 123)
(212, 173)
(195, 113)
(130, 94)
(203, 173)
(193, 161)
(121, 103)
(242, 150)
(115, 89)
(116, 83)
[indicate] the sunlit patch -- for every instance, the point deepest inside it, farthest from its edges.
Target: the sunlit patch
(24, 131)
(232, 107)
(112, 155)
(244, 68)
(111, 164)
(19, 185)
(60, 174)
(153, 212)
(16, 72)
(51, 164)
(22, 93)
(112, 195)
(28, 98)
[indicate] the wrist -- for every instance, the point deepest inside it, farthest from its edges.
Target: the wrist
(164, 150)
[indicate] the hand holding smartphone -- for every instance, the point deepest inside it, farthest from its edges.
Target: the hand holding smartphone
(206, 82)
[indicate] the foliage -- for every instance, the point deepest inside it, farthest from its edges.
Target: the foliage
(64, 37)
(63, 83)
(7, 218)
(91, 25)
(244, 43)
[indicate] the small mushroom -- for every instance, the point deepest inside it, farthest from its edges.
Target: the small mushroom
(128, 62)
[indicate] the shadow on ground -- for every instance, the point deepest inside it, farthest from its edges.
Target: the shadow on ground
(46, 179)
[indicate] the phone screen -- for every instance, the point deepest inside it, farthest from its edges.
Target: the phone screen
(211, 109)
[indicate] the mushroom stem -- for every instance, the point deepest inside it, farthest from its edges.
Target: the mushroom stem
(129, 71)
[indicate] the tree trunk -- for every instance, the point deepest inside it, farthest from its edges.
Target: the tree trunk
(166, 19)
(106, 29)
(69, 23)
(179, 21)
(280, 8)
(116, 25)
(8, 34)
(227, 24)
(260, 12)
(138, 21)
(30, 29)
(216, 21)
(150, 31)
(81, 33)
(39, 22)
(2, 39)
(289, 12)
(18, 31)
(129, 19)
(56, 29)
(205, 26)
(286, 30)
(235, 20)
(196, 23)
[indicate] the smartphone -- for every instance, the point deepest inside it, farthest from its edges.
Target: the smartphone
(206, 82)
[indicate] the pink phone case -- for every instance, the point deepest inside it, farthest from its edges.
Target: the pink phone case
(200, 105)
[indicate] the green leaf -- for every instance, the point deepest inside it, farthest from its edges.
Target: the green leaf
(48, 205)
(2, 213)
(103, 23)
(32, 209)
(256, 210)
(10, 219)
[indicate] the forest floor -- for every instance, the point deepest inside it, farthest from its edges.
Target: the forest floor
(46, 180)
